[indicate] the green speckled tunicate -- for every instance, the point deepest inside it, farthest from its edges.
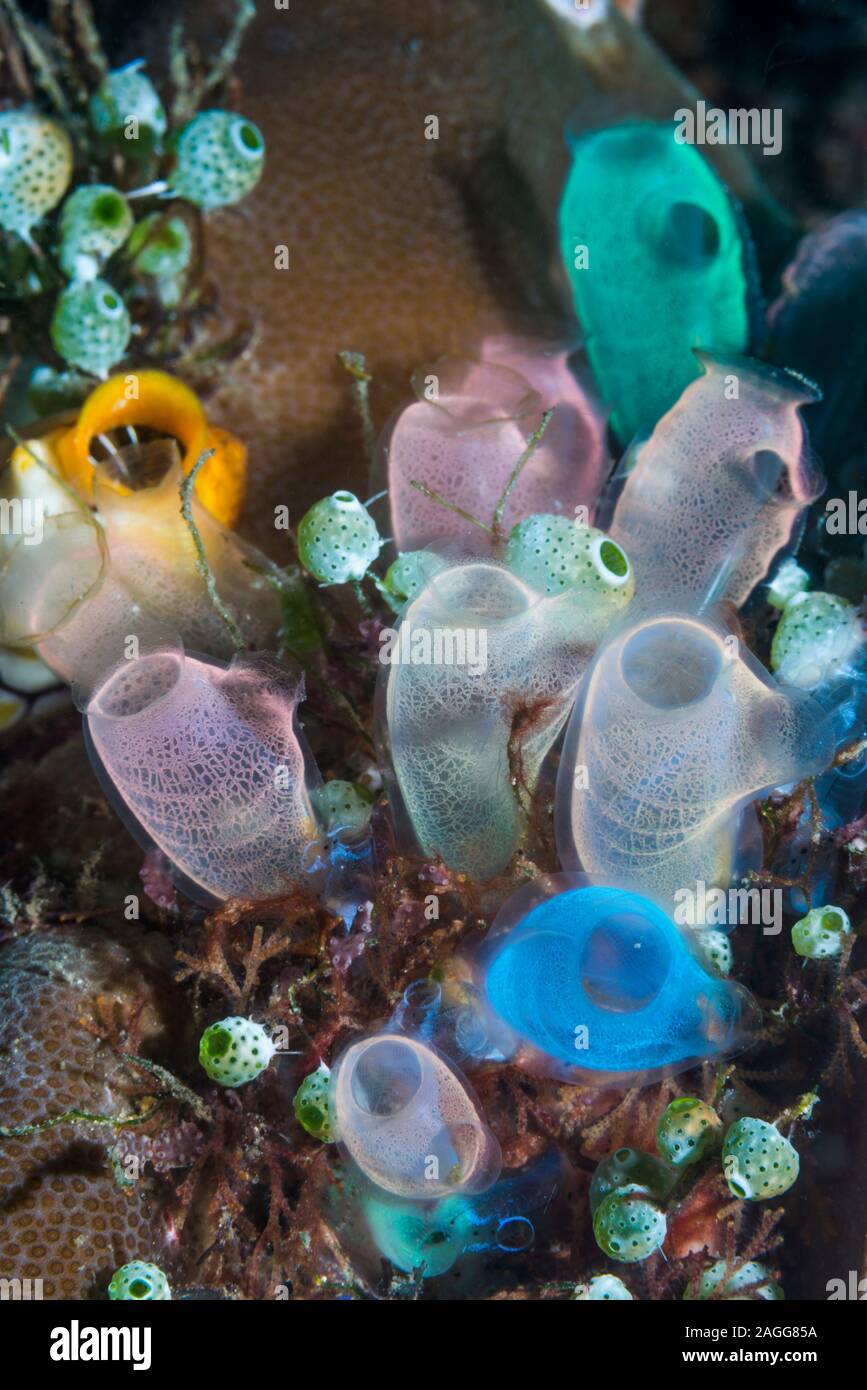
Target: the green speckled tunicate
(337, 539)
(658, 265)
(819, 935)
(688, 1130)
(139, 1282)
(126, 112)
(758, 1161)
(95, 221)
(817, 639)
(556, 553)
(91, 327)
(35, 169)
(235, 1050)
(219, 159)
(410, 572)
(344, 805)
(160, 245)
(313, 1105)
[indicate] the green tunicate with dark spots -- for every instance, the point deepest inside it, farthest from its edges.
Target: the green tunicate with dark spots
(219, 157)
(659, 263)
(91, 327)
(126, 112)
(313, 1106)
(337, 539)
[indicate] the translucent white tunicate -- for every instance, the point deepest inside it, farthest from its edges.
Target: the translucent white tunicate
(408, 1120)
(94, 585)
(718, 488)
(678, 728)
(481, 676)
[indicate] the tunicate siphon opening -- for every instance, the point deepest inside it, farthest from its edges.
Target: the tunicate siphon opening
(137, 685)
(671, 664)
(625, 963)
(386, 1077)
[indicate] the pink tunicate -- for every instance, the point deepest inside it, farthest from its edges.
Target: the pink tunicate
(205, 763)
(464, 436)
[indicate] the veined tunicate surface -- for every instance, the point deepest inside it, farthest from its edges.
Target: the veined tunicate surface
(465, 435)
(719, 487)
(600, 983)
(477, 649)
(678, 727)
(206, 763)
(406, 1117)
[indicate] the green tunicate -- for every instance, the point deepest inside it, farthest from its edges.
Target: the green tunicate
(91, 327)
(820, 934)
(343, 805)
(160, 245)
(688, 1130)
(630, 1168)
(313, 1105)
(658, 262)
(338, 539)
(752, 1276)
(410, 572)
(139, 1282)
(126, 112)
(219, 157)
(95, 221)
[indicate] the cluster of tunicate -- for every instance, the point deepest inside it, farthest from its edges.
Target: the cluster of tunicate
(627, 1202)
(750, 1280)
(407, 1119)
(216, 159)
(482, 670)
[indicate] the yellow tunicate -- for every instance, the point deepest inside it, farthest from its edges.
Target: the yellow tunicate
(163, 403)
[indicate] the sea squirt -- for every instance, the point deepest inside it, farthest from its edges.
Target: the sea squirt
(478, 649)
(408, 1120)
(659, 264)
(719, 487)
(206, 763)
(678, 728)
(591, 983)
(466, 432)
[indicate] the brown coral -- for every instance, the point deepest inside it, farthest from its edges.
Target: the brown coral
(64, 1217)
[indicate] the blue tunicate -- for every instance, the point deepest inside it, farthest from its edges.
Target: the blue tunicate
(434, 1237)
(598, 982)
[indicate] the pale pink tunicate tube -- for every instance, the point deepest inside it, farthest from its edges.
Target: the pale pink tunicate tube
(464, 439)
(206, 763)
